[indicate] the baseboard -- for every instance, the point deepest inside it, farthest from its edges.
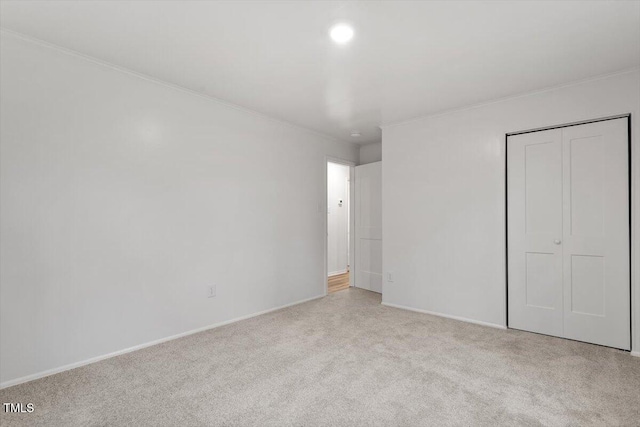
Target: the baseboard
(70, 366)
(635, 353)
(448, 316)
(336, 273)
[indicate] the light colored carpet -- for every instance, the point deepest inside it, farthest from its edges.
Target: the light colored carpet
(344, 360)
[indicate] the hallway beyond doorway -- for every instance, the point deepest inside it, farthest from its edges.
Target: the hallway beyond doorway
(338, 282)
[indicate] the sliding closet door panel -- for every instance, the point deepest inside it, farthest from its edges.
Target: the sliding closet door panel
(534, 229)
(596, 233)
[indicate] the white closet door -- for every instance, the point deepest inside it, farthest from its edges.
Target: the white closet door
(535, 226)
(368, 265)
(596, 233)
(568, 232)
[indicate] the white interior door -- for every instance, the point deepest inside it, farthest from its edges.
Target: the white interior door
(368, 219)
(596, 233)
(535, 223)
(568, 232)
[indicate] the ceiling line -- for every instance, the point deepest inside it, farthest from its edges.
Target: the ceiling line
(511, 97)
(149, 78)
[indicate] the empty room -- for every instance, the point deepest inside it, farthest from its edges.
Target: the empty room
(319, 213)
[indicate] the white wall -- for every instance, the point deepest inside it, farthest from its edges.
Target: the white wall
(370, 153)
(122, 199)
(444, 196)
(337, 218)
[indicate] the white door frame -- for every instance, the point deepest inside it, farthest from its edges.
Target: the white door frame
(632, 220)
(352, 166)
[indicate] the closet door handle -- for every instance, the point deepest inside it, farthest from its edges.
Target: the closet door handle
(557, 241)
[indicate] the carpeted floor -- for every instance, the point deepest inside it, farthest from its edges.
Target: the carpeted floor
(344, 360)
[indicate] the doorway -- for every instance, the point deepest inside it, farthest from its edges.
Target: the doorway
(568, 232)
(339, 226)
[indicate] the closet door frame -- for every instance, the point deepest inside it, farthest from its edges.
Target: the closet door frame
(506, 207)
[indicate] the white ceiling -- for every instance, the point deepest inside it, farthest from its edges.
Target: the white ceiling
(407, 59)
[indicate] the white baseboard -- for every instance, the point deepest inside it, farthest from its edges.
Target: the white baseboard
(335, 273)
(635, 353)
(448, 316)
(70, 366)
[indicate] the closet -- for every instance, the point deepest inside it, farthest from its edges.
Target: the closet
(568, 232)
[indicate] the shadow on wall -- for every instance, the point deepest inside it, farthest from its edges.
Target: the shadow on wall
(370, 153)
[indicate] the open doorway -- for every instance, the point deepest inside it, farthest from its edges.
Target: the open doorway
(339, 227)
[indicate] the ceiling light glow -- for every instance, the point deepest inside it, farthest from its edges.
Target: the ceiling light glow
(341, 33)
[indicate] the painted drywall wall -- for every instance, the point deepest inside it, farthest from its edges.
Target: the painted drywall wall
(337, 218)
(370, 153)
(444, 196)
(123, 199)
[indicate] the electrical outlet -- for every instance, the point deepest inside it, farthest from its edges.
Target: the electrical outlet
(211, 291)
(389, 276)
